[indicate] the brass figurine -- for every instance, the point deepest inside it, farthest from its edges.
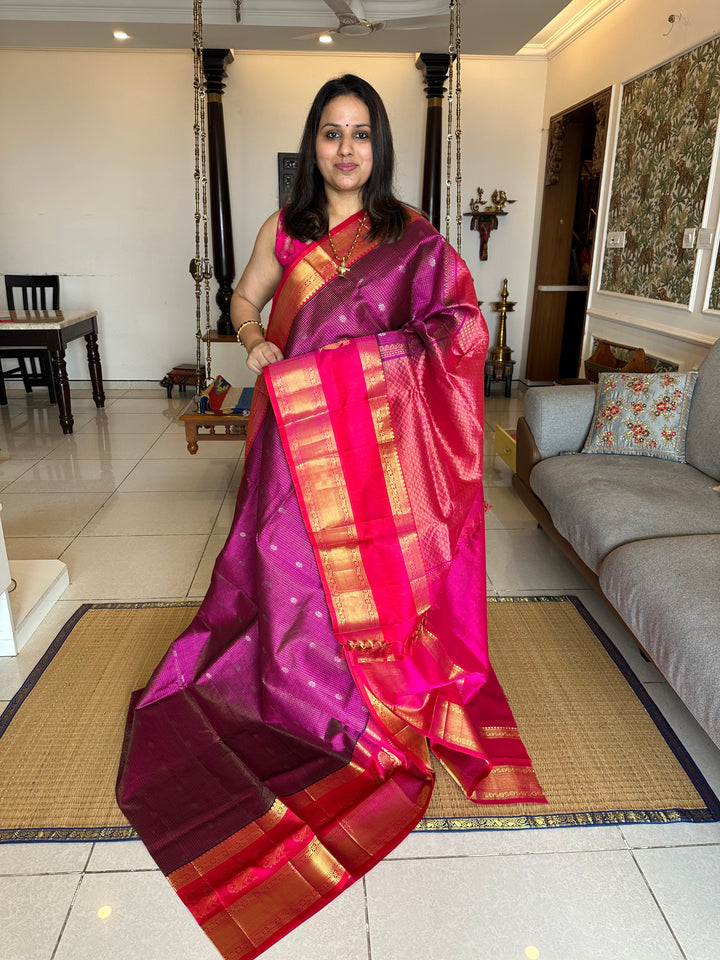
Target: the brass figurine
(476, 204)
(498, 200)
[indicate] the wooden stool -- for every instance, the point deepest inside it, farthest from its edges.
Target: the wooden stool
(180, 376)
(499, 370)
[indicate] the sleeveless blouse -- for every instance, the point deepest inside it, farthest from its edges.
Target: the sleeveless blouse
(287, 248)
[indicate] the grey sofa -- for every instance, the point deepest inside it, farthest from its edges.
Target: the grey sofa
(645, 532)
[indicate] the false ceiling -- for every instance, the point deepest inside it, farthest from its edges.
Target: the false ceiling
(489, 27)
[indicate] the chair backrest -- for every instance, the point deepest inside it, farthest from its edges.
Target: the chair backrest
(34, 288)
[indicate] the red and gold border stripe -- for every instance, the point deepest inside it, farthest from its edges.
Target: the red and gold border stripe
(332, 410)
(307, 276)
(263, 881)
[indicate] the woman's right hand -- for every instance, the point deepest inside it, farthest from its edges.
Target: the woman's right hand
(257, 285)
(262, 354)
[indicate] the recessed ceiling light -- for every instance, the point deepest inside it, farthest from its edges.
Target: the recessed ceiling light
(121, 35)
(325, 38)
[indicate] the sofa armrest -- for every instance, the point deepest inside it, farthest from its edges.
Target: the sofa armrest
(526, 451)
(559, 418)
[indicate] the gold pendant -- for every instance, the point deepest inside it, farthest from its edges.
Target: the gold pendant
(342, 269)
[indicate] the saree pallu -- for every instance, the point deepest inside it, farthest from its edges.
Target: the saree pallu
(280, 749)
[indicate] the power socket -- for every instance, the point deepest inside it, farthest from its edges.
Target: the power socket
(705, 238)
(615, 239)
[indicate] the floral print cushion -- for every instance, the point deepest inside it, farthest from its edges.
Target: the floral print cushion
(641, 413)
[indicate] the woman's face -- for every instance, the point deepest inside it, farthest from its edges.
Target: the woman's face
(343, 147)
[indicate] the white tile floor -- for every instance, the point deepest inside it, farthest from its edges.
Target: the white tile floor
(135, 517)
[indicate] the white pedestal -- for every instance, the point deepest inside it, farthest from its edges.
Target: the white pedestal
(39, 583)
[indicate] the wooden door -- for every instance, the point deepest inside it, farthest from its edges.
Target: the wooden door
(556, 228)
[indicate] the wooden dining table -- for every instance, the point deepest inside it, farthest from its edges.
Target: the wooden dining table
(54, 329)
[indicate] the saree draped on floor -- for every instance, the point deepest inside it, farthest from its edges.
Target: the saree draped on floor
(280, 749)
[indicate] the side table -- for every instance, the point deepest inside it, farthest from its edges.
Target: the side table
(499, 370)
(53, 330)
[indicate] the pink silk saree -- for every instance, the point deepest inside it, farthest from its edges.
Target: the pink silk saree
(280, 749)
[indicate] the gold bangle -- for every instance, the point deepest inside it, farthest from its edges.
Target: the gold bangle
(244, 324)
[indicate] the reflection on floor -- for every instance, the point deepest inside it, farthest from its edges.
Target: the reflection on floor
(135, 517)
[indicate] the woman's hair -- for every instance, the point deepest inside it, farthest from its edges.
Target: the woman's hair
(305, 215)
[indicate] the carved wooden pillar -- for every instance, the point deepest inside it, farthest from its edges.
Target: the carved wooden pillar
(602, 110)
(435, 68)
(555, 150)
(214, 63)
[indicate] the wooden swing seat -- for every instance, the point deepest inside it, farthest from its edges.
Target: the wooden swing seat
(211, 426)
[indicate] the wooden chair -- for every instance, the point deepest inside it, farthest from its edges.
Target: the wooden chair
(33, 364)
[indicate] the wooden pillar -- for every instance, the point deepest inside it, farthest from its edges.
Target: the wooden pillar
(214, 63)
(435, 68)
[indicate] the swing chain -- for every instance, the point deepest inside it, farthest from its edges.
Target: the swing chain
(448, 158)
(454, 93)
(458, 131)
(200, 266)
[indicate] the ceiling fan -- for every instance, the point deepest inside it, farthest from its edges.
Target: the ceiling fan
(352, 21)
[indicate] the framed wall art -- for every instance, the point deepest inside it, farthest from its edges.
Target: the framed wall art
(287, 164)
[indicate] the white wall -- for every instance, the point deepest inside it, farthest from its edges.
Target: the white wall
(98, 182)
(626, 43)
(98, 187)
(501, 146)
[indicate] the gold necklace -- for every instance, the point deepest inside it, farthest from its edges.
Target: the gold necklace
(342, 261)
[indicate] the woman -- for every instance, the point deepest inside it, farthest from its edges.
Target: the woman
(280, 749)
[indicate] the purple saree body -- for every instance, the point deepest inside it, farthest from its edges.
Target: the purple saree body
(280, 749)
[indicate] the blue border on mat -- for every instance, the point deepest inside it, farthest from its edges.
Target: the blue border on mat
(596, 818)
(428, 824)
(70, 834)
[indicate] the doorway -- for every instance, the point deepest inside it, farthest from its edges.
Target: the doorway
(567, 233)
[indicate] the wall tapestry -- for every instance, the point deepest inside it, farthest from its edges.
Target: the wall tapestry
(668, 123)
(714, 303)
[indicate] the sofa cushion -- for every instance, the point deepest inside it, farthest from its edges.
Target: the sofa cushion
(667, 591)
(642, 414)
(598, 503)
(702, 442)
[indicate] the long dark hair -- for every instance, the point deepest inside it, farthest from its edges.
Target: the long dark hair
(306, 216)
